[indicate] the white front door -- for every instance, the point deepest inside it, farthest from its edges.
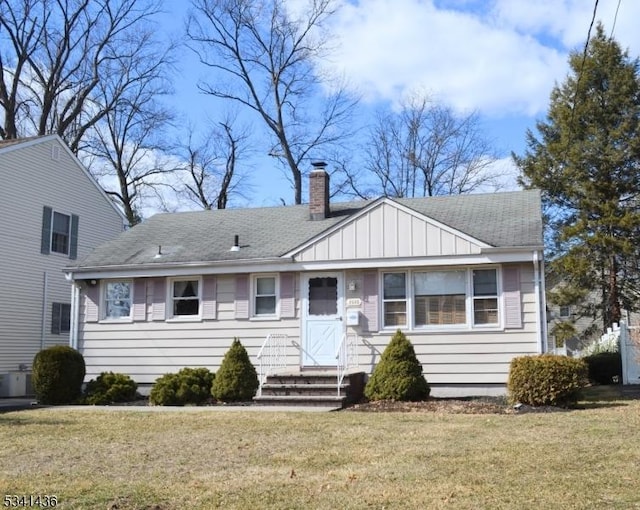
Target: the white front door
(322, 318)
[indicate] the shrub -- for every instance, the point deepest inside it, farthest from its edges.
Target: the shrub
(188, 386)
(58, 373)
(546, 379)
(398, 375)
(603, 367)
(109, 387)
(237, 379)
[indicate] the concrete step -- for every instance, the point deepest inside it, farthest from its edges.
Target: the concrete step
(303, 389)
(301, 379)
(301, 400)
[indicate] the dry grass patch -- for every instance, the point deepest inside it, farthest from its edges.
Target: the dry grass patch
(169, 460)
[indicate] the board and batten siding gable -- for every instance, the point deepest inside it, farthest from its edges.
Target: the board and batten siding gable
(388, 231)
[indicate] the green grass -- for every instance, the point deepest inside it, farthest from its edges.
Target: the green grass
(587, 458)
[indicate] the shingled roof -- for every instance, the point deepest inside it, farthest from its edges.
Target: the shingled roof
(510, 219)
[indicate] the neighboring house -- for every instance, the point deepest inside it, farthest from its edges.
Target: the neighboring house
(462, 275)
(53, 213)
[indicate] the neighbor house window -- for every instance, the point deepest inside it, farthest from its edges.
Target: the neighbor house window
(60, 233)
(60, 318)
(485, 296)
(185, 297)
(394, 299)
(439, 298)
(565, 312)
(264, 300)
(117, 300)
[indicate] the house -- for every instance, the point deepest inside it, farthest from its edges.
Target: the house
(462, 275)
(54, 213)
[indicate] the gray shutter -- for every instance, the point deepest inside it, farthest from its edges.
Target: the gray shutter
(91, 301)
(370, 304)
(139, 312)
(56, 314)
(45, 241)
(73, 238)
(287, 295)
(209, 293)
(512, 301)
(242, 297)
(158, 312)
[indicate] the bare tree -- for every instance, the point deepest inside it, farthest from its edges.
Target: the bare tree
(54, 54)
(425, 149)
(212, 175)
(264, 55)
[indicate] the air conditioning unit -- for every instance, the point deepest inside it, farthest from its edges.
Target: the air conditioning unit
(16, 384)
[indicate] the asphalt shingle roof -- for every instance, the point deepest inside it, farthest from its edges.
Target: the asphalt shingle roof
(499, 219)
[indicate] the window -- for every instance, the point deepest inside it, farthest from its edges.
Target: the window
(60, 318)
(264, 295)
(117, 300)
(565, 312)
(485, 296)
(185, 297)
(394, 299)
(60, 232)
(323, 296)
(439, 298)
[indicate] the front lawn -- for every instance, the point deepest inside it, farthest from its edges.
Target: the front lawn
(123, 460)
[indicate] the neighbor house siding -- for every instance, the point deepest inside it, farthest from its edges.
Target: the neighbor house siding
(32, 179)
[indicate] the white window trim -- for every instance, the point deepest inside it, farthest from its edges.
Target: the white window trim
(253, 289)
(169, 300)
(103, 302)
(452, 328)
(51, 250)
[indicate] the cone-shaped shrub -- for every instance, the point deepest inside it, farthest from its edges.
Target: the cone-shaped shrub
(236, 379)
(58, 373)
(398, 375)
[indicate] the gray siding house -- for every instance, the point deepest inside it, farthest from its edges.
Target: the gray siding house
(324, 286)
(54, 213)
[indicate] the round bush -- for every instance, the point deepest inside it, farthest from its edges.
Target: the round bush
(188, 386)
(58, 373)
(109, 387)
(604, 367)
(546, 379)
(236, 379)
(398, 375)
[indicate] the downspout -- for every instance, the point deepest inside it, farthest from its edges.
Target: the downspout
(75, 300)
(543, 301)
(536, 284)
(43, 325)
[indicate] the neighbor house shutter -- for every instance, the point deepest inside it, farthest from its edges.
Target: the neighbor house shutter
(73, 238)
(56, 312)
(45, 241)
(91, 301)
(512, 301)
(370, 304)
(242, 297)
(139, 312)
(287, 295)
(209, 286)
(158, 309)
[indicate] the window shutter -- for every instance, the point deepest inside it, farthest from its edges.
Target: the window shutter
(139, 312)
(511, 290)
(370, 304)
(45, 242)
(56, 313)
(159, 298)
(242, 297)
(73, 238)
(91, 301)
(287, 295)
(209, 294)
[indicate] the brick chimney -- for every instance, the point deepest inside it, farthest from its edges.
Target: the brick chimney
(319, 191)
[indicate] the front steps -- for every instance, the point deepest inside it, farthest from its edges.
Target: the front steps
(318, 388)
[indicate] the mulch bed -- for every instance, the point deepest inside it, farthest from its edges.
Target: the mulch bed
(452, 406)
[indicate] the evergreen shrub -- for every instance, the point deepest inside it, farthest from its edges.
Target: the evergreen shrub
(108, 388)
(398, 375)
(604, 367)
(190, 386)
(546, 379)
(236, 379)
(57, 375)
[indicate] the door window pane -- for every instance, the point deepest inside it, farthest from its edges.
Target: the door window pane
(323, 296)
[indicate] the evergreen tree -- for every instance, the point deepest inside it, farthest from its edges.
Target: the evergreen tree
(236, 380)
(585, 160)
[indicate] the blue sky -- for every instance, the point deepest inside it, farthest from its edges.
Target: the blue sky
(498, 57)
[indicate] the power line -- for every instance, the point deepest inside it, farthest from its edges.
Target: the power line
(615, 19)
